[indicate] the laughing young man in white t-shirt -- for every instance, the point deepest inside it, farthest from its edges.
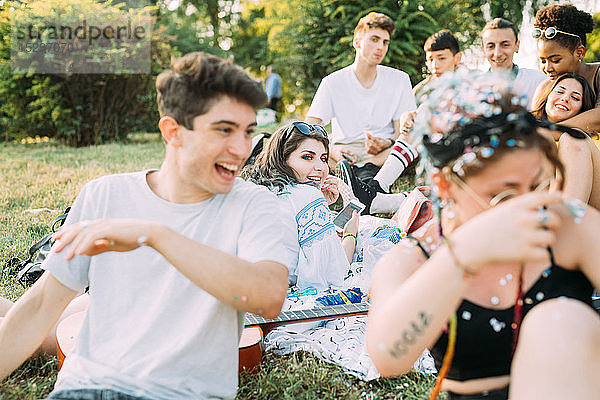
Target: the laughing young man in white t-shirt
(364, 101)
(172, 257)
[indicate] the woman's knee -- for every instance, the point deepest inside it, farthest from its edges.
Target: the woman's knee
(558, 353)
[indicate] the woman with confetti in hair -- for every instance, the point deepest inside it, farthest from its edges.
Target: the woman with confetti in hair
(502, 293)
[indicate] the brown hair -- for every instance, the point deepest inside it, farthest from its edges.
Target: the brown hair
(375, 20)
(197, 80)
(501, 23)
(270, 167)
(588, 97)
(526, 142)
(514, 129)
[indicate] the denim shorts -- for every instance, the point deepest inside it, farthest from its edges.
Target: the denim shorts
(91, 394)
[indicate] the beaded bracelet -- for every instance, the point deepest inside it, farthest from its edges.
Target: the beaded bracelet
(466, 272)
(349, 235)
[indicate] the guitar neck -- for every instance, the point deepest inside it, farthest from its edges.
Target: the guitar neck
(326, 312)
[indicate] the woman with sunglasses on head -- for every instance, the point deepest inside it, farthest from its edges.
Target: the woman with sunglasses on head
(502, 294)
(560, 30)
(293, 164)
(566, 96)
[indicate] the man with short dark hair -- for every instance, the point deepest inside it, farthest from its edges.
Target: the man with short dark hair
(500, 42)
(442, 54)
(364, 101)
(172, 257)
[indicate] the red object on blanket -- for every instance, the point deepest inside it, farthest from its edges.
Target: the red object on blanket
(414, 212)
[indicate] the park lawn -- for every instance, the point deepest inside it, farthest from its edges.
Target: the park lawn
(47, 175)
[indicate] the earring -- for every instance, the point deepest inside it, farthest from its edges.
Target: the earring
(580, 60)
(449, 207)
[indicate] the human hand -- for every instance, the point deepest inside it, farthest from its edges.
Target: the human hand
(329, 187)
(375, 145)
(337, 155)
(91, 238)
(518, 230)
(352, 224)
(407, 121)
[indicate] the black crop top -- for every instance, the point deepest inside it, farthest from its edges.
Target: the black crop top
(484, 336)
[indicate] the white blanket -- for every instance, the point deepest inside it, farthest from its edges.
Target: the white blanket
(342, 341)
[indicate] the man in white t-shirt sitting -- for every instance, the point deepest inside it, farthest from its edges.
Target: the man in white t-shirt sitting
(364, 101)
(500, 42)
(172, 257)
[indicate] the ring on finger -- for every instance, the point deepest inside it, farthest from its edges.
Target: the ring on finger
(543, 219)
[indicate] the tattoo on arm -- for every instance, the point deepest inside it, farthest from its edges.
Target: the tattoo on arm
(410, 334)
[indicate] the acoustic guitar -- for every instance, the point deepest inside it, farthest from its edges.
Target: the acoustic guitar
(251, 342)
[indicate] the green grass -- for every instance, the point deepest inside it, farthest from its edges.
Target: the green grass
(47, 175)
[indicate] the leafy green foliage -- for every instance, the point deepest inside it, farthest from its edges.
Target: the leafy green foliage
(593, 40)
(50, 175)
(308, 39)
(77, 109)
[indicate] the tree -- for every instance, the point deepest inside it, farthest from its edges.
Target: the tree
(78, 109)
(308, 39)
(593, 42)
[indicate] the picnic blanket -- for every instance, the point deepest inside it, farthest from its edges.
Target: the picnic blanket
(342, 341)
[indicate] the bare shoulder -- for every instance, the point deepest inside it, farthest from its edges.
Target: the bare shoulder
(577, 234)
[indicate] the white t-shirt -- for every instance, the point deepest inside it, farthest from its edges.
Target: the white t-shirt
(149, 331)
(352, 109)
(527, 81)
(321, 260)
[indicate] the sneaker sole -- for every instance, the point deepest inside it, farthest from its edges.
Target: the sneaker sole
(346, 188)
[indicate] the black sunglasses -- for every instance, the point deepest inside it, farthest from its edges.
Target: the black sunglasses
(549, 33)
(305, 129)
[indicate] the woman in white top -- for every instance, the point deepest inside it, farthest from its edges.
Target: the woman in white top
(294, 166)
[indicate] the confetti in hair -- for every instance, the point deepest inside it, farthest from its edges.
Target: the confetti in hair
(466, 116)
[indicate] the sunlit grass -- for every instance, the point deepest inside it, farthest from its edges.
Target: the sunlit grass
(44, 175)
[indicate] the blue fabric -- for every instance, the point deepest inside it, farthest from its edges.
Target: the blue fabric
(353, 295)
(273, 86)
(313, 220)
(392, 233)
(91, 394)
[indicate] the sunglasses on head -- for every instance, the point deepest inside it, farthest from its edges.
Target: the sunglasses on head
(550, 33)
(305, 129)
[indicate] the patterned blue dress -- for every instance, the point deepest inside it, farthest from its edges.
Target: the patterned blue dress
(321, 258)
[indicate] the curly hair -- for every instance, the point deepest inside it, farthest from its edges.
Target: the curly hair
(565, 17)
(588, 96)
(197, 80)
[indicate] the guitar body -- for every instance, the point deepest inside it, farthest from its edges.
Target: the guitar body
(66, 335)
(251, 349)
(251, 343)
